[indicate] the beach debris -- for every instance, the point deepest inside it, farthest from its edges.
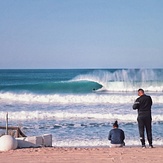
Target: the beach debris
(7, 142)
(14, 131)
(35, 141)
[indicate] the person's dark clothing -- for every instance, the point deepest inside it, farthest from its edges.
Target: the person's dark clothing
(116, 136)
(145, 123)
(143, 105)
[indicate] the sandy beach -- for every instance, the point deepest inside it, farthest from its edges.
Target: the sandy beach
(83, 155)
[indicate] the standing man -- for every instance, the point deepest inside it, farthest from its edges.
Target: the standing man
(143, 104)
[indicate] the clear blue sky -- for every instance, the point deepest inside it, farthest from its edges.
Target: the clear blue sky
(81, 34)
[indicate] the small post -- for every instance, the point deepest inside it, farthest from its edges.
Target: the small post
(7, 123)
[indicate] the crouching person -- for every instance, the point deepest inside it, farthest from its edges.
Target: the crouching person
(116, 136)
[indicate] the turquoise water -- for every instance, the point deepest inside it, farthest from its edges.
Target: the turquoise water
(78, 106)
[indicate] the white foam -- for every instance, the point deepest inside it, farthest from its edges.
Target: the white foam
(65, 115)
(123, 98)
(96, 143)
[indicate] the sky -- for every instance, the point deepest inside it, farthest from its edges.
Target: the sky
(52, 34)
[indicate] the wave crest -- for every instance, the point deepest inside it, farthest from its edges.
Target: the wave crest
(126, 80)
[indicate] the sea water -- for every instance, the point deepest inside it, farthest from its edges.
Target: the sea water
(79, 106)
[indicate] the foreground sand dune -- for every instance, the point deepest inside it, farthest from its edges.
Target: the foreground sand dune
(83, 155)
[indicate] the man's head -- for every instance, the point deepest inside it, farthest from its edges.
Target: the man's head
(140, 92)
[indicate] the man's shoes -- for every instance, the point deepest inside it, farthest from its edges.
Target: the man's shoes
(143, 146)
(150, 146)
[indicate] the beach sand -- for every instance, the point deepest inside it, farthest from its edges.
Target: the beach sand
(83, 155)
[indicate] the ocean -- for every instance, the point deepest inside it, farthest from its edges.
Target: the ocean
(79, 106)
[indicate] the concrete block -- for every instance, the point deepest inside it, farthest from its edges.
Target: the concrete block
(47, 140)
(33, 141)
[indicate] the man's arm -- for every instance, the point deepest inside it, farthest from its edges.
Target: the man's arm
(136, 105)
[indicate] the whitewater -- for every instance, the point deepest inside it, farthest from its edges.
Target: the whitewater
(79, 106)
